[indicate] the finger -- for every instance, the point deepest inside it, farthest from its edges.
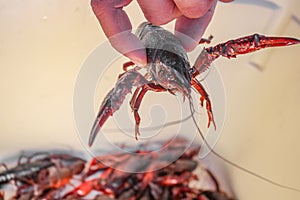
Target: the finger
(160, 12)
(130, 46)
(194, 8)
(189, 31)
(117, 28)
(226, 1)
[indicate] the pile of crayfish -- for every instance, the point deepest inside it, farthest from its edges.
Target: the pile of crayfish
(173, 173)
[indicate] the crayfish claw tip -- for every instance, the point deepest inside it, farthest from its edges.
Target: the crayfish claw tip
(213, 122)
(93, 134)
(215, 125)
(137, 132)
(137, 136)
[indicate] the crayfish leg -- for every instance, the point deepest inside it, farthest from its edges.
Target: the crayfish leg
(204, 96)
(136, 100)
(127, 65)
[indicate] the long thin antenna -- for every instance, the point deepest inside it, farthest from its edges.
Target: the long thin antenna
(171, 123)
(232, 163)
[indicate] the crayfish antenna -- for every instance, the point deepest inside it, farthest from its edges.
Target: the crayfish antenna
(261, 177)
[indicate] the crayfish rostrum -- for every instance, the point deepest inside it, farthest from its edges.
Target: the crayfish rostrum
(169, 70)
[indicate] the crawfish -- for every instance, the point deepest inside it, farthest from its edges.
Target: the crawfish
(39, 177)
(25, 172)
(155, 182)
(169, 70)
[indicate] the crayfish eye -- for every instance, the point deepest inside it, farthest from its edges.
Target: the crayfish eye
(171, 59)
(170, 62)
(169, 77)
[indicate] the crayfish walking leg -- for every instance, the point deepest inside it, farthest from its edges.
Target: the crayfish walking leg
(136, 102)
(204, 96)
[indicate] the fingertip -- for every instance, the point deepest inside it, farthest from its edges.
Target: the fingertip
(189, 31)
(194, 8)
(226, 1)
(130, 46)
(138, 56)
(160, 12)
(190, 46)
(188, 43)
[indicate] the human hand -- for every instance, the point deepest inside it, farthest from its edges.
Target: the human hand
(192, 18)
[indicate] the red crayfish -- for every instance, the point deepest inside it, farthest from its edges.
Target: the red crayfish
(169, 70)
(172, 181)
(172, 173)
(40, 177)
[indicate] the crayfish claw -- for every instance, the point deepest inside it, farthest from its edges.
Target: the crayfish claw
(94, 132)
(211, 120)
(104, 113)
(115, 98)
(248, 44)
